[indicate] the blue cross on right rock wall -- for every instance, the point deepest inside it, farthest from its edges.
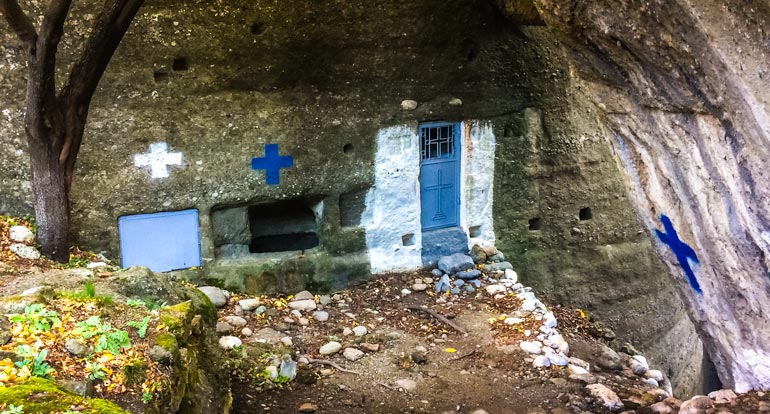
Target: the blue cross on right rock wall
(682, 251)
(272, 163)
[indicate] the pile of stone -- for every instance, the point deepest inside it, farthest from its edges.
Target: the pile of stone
(461, 273)
(23, 243)
(485, 270)
(301, 309)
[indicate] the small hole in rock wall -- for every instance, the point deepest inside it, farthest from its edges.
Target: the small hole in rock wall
(257, 28)
(534, 224)
(474, 231)
(160, 76)
(508, 131)
(407, 239)
(180, 64)
(347, 149)
(585, 213)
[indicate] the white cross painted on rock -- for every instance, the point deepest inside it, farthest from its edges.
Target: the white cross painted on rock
(158, 159)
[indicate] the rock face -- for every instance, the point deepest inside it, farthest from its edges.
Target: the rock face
(552, 160)
(682, 94)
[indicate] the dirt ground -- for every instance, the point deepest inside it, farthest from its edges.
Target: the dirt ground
(477, 375)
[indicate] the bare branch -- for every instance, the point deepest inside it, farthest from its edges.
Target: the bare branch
(111, 25)
(53, 21)
(18, 21)
(42, 112)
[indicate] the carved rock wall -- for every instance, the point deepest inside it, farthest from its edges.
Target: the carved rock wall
(682, 86)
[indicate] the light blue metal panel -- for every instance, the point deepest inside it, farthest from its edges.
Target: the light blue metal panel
(440, 175)
(161, 241)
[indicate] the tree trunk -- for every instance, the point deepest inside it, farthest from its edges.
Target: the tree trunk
(55, 122)
(51, 199)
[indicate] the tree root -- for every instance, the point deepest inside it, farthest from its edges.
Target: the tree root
(439, 317)
(459, 357)
(390, 387)
(331, 364)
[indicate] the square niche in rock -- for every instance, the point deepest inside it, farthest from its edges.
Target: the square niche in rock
(281, 226)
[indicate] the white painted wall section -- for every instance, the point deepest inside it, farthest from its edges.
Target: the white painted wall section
(477, 182)
(393, 204)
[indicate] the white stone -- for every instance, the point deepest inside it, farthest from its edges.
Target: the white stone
(406, 384)
(96, 265)
(455, 102)
(321, 316)
(229, 342)
(215, 295)
(20, 234)
(494, 289)
(638, 367)
(235, 321)
(24, 251)
(31, 291)
(575, 369)
(249, 304)
(419, 287)
(247, 332)
(532, 347)
(723, 396)
(405, 292)
(408, 104)
(558, 342)
(511, 276)
(541, 361)
(530, 305)
(272, 371)
(304, 295)
(608, 398)
(347, 332)
(642, 360)
(652, 382)
(286, 340)
(303, 305)
(360, 330)
(549, 320)
(513, 321)
(654, 374)
(558, 359)
(158, 159)
(352, 354)
(330, 348)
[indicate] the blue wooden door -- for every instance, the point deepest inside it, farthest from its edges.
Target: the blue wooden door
(161, 241)
(440, 175)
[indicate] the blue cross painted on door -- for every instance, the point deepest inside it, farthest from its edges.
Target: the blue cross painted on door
(440, 175)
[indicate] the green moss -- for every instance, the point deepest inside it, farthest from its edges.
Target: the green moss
(167, 341)
(40, 396)
(135, 372)
(202, 305)
(177, 317)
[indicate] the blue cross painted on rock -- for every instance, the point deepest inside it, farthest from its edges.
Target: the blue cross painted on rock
(272, 164)
(682, 251)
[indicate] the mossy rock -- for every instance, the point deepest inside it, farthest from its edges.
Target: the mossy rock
(39, 396)
(177, 318)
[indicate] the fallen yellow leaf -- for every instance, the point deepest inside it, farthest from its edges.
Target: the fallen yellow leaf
(451, 350)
